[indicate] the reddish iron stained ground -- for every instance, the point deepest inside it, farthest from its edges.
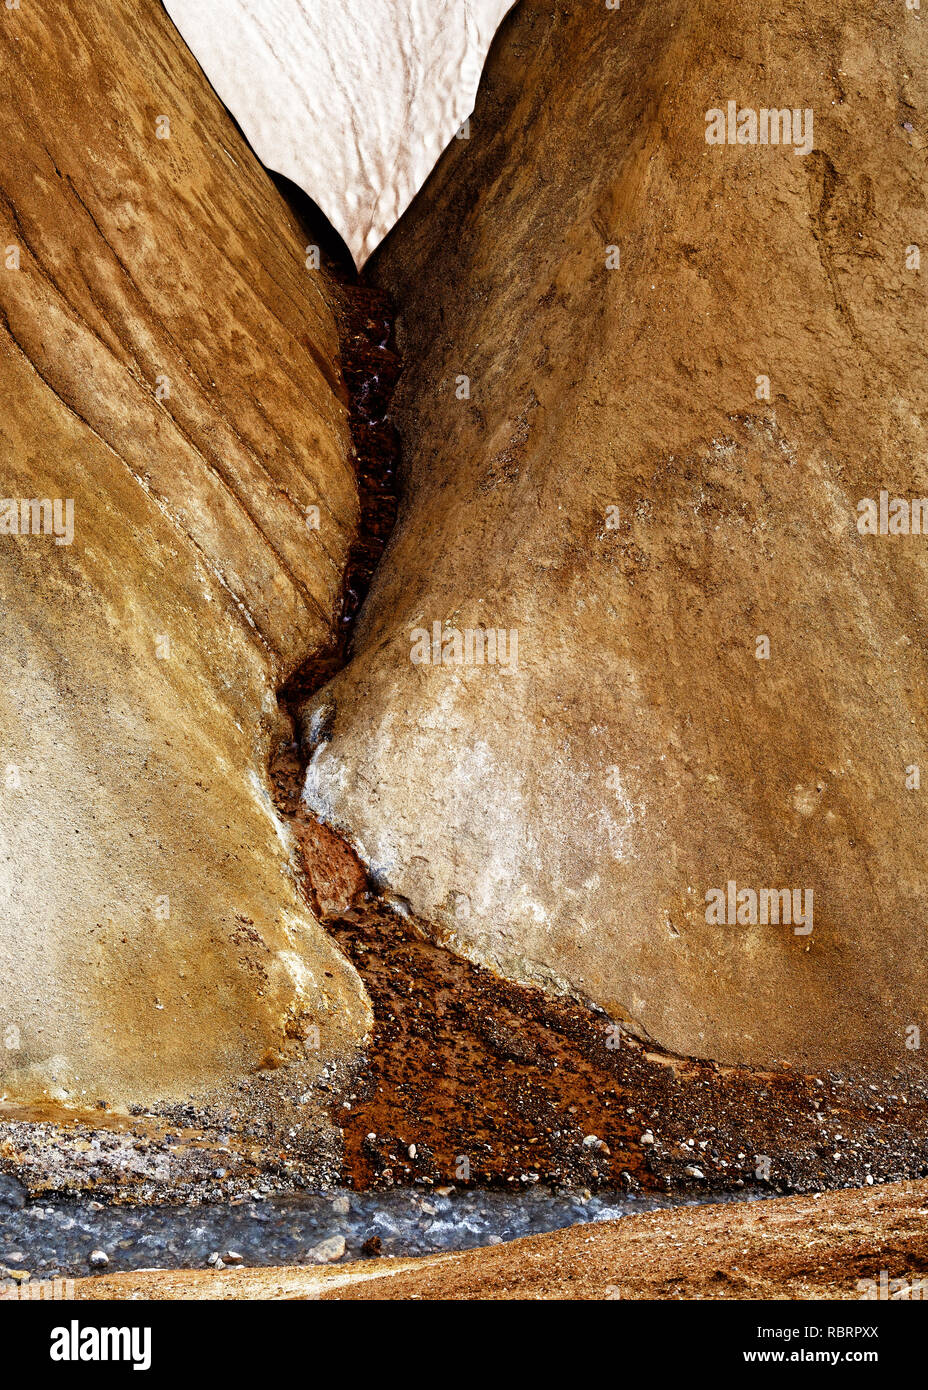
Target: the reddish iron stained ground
(464, 1063)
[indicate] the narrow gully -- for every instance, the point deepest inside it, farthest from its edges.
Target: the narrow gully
(481, 1110)
(470, 1080)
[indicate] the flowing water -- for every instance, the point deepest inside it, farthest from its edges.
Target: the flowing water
(57, 1238)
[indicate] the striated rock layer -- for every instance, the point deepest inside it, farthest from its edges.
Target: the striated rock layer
(595, 298)
(169, 366)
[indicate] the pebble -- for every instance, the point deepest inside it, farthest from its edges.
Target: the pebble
(12, 1193)
(99, 1258)
(647, 1137)
(328, 1251)
(341, 1205)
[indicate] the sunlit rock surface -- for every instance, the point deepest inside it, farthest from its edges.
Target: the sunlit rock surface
(169, 367)
(594, 463)
(354, 100)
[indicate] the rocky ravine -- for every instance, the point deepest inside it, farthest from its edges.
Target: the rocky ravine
(588, 466)
(593, 463)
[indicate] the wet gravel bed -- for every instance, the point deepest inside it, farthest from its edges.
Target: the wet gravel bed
(68, 1237)
(466, 1070)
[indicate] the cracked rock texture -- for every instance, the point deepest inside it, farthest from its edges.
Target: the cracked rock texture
(169, 363)
(614, 489)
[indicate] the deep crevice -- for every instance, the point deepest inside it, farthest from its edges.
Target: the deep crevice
(470, 1078)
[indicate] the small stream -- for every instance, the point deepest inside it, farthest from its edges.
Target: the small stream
(52, 1239)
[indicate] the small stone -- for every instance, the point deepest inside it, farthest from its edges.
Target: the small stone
(99, 1258)
(341, 1205)
(328, 1251)
(213, 1258)
(647, 1137)
(693, 1171)
(232, 1257)
(411, 1151)
(12, 1193)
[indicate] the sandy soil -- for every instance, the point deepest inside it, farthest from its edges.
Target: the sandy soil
(788, 1248)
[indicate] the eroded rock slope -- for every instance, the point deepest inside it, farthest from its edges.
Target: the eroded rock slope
(649, 379)
(170, 368)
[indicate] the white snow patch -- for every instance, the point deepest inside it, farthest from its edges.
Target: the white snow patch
(354, 100)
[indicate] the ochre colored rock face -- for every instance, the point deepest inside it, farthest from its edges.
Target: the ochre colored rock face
(169, 365)
(595, 297)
